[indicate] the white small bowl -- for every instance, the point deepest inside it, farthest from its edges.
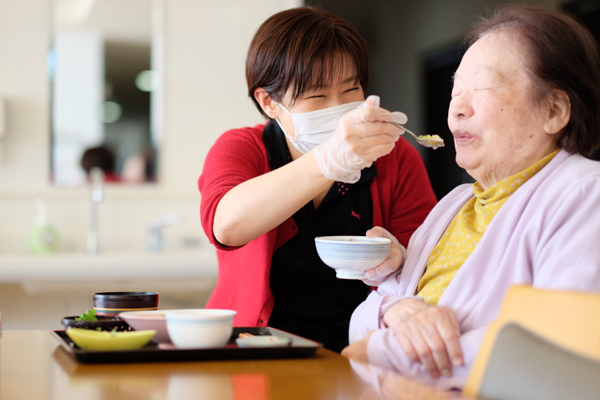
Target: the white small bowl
(144, 320)
(200, 328)
(351, 256)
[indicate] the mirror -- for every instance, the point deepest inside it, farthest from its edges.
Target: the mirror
(105, 67)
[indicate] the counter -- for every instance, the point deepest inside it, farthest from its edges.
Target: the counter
(34, 367)
(115, 266)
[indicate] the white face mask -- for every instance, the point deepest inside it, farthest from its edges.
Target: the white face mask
(314, 127)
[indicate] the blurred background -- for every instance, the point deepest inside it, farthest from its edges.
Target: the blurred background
(147, 86)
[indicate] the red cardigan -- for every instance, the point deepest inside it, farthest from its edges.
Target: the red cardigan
(401, 193)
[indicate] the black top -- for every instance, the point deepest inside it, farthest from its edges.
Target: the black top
(308, 298)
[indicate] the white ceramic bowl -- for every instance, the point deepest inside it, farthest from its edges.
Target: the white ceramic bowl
(351, 256)
(200, 328)
(144, 320)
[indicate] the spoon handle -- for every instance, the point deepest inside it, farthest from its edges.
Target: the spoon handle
(406, 130)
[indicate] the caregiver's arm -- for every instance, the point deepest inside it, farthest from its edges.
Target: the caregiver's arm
(258, 205)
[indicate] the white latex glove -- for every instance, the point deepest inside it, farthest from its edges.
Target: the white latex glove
(394, 261)
(361, 137)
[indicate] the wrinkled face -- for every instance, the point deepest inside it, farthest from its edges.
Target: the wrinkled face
(498, 128)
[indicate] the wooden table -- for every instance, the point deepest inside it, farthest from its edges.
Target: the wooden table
(33, 366)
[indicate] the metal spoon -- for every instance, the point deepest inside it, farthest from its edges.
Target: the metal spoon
(431, 141)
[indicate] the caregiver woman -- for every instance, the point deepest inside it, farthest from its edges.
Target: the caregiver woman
(525, 110)
(326, 163)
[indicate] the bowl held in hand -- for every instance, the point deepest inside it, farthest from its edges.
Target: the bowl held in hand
(351, 256)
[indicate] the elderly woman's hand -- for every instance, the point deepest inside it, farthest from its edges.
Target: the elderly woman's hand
(393, 262)
(357, 351)
(361, 137)
(427, 334)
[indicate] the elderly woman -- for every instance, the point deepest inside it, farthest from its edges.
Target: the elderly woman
(327, 162)
(525, 110)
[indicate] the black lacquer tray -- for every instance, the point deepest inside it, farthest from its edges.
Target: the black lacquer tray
(299, 348)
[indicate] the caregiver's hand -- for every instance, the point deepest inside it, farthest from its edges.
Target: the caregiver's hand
(427, 334)
(393, 262)
(361, 137)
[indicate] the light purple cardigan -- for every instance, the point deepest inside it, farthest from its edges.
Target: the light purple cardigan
(547, 235)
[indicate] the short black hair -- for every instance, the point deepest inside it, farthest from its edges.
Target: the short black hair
(303, 48)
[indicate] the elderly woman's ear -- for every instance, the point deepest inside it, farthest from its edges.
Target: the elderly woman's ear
(559, 112)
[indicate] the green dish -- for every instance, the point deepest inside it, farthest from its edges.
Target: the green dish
(103, 341)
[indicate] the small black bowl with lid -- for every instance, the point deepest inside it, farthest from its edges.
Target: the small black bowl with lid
(113, 303)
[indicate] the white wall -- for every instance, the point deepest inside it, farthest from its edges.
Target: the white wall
(205, 46)
(23, 82)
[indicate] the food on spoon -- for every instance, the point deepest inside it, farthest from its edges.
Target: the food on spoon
(89, 315)
(433, 141)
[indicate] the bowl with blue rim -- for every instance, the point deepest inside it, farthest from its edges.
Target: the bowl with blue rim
(351, 256)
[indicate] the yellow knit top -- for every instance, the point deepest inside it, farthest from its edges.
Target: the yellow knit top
(465, 231)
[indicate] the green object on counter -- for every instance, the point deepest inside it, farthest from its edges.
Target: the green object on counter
(43, 238)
